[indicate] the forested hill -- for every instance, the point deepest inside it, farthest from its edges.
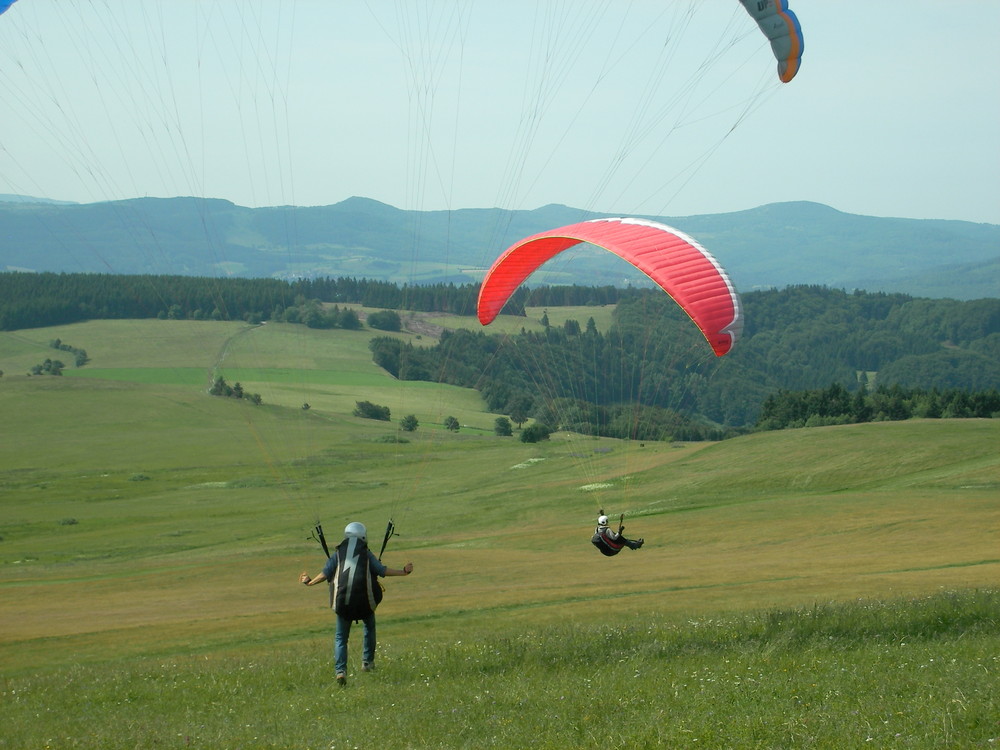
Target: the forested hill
(767, 247)
(795, 339)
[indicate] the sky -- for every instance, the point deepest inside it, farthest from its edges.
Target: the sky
(645, 108)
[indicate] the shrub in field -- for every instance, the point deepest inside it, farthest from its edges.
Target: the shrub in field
(349, 320)
(48, 367)
(535, 433)
(452, 424)
(221, 388)
(409, 423)
(80, 357)
(368, 410)
(385, 320)
(502, 427)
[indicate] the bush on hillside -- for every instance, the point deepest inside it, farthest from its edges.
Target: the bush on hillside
(221, 388)
(385, 320)
(535, 433)
(368, 410)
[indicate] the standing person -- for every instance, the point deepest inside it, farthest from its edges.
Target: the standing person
(355, 592)
(610, 542)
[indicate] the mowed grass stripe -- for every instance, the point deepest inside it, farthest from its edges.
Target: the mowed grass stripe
(189, 376)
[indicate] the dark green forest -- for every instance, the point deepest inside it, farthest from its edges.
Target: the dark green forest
(29, 300)
(806, 351)
(652, 374)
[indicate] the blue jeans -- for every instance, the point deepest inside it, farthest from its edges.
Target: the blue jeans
(342, 636)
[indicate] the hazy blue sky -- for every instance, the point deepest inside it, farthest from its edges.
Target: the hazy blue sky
(668, 108)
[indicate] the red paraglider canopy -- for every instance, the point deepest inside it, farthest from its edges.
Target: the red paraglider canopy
(679, 265)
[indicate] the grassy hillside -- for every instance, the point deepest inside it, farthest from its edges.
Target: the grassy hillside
(152, 535)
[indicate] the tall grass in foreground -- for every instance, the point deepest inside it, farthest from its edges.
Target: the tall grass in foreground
(921, 673)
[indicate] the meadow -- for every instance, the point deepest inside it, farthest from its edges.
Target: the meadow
(832, 587)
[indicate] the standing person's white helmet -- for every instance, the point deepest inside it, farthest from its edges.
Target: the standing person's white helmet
(357, 530)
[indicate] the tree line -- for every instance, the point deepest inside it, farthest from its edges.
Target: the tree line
(837, 405)
(36, 300)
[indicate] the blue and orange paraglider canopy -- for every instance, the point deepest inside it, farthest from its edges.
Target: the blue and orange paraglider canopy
(782, 29)
(675, 262)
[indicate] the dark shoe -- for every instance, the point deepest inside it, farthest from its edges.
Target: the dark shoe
(367, 666)
(341, 679)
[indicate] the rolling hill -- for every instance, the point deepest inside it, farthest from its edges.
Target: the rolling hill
(770, 246)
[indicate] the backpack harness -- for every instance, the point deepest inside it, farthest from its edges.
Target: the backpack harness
(354, 591)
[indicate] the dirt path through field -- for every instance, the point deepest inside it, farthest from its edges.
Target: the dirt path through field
(224, 350)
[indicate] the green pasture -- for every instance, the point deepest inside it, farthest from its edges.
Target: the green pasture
(288, 365)
(830, 587)
(121, 343)
(333, 370)
(602, 315)
(192, 376)
(532, 320)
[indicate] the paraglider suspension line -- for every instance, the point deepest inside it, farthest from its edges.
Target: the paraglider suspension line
(318, 536)
(390, 531)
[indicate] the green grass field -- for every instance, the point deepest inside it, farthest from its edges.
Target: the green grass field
(532, 320)
(832, 587)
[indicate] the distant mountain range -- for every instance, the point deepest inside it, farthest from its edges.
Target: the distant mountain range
(772, 246)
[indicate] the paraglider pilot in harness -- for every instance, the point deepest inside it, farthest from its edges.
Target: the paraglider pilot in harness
(352, 571)
(610, 542)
